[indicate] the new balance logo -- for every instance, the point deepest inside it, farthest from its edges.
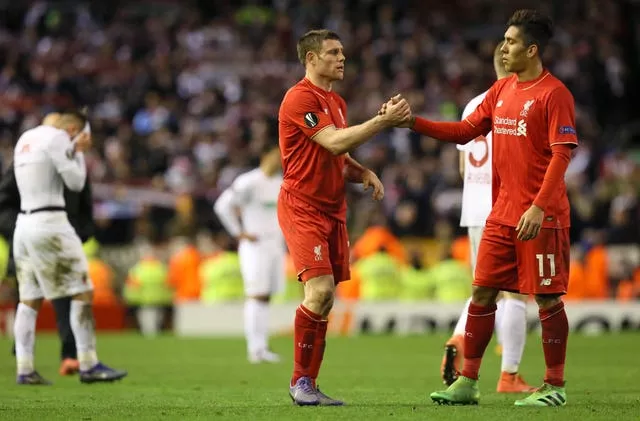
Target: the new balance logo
(545, 282)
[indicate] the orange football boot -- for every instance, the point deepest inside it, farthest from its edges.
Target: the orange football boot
(513, 383)
(69, 367)
(452, 360)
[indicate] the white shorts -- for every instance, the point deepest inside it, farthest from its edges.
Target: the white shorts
(475, 234)
(263, 268)
(50, 262)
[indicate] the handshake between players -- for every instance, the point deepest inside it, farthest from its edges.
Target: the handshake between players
(397, 111)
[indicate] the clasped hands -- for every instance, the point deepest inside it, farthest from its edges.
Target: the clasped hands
(396, 112)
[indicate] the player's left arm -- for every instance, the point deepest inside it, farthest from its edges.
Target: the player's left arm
(229, 205)
(354, 172)
(563, 139)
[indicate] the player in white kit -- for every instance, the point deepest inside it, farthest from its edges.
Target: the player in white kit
(247, 209)
(50, 261)
(511, 323)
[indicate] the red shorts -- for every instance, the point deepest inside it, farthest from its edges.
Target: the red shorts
(538, 266)
(318, 243)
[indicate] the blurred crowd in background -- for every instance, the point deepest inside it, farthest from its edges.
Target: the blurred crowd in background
(182, 94)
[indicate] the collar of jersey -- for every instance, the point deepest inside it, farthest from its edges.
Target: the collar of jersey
(316, 88)
(531, 83)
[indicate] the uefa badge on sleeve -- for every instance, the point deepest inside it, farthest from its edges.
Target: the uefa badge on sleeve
(567, 130)
(311, 120)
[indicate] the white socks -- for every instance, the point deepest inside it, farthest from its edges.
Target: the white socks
(83, 327)
(462, 320)
(510, 328)
(149, 319)
(498, 326)
(256, 325)
(514, 328)
(24, 330)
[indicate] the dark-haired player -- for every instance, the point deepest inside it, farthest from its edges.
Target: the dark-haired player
(247, 210)
(525, 245)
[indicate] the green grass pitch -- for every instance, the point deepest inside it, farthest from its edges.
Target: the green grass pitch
(380, 377)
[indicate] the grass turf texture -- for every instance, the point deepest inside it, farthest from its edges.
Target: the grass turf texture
(380, 377)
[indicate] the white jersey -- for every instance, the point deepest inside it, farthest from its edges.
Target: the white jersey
(44, 242)
(43, 164)
(476, 191)
(256, 196)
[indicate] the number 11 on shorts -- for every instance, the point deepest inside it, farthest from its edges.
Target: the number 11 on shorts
(552, 265)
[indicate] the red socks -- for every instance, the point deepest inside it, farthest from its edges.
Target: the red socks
(555, 331)
(318, 350)
(478, 332)
(310, 332)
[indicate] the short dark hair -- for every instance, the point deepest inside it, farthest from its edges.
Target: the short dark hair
(536, 27)
(312, 41)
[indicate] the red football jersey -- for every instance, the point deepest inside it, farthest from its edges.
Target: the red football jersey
(311, 172)
(526, 119)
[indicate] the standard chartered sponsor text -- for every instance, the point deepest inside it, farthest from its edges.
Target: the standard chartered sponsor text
(504, 121)
(505, 130)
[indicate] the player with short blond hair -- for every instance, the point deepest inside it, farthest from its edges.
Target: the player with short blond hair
(50, 261)
(247, 210)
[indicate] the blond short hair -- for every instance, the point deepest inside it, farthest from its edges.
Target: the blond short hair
(51, 119)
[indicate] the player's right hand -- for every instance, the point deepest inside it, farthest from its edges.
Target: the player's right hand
(83, 142)
(396, 113)
(392, 100)
(249, 237)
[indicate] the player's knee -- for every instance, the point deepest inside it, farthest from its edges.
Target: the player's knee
(34, 304)
(322, 296)
(548, 300)
(86, 297)
(514, 296)
(320, 291)
(484, 296)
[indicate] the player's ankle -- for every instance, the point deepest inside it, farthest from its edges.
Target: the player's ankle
(510, 369)
(555, 382)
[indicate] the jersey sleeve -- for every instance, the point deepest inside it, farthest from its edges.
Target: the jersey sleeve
(235, 196)
(225, 209)
(468, 110)
(69, 164)
(303, 109)
(482, 116)
(561, 114)
(241, 190)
